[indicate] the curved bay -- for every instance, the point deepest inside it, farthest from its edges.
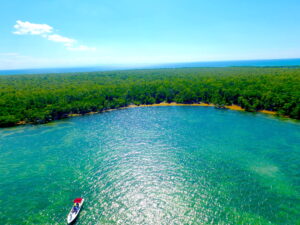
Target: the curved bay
(156, 165)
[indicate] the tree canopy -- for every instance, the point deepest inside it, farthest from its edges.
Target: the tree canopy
(46, 97)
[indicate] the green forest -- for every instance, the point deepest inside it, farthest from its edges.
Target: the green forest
(46, 97)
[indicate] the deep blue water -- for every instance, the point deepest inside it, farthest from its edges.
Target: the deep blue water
(269, 62)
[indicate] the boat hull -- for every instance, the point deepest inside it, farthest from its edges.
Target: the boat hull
(73, 215)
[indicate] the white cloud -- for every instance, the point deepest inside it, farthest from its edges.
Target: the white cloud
(31, 28)
(59, 38)
(81, 48)
(46, 31)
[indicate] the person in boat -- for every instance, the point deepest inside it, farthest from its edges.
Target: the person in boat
(76, 207)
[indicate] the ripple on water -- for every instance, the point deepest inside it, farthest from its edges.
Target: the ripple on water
(170, 165)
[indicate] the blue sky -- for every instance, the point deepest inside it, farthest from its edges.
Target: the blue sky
(64, 33)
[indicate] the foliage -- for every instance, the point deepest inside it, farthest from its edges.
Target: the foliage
(42, 98)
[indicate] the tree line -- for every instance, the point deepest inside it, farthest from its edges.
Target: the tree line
(46, 97)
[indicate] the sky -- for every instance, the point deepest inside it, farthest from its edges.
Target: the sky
(68, 33)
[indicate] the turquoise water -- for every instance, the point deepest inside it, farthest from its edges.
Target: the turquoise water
(155, 165)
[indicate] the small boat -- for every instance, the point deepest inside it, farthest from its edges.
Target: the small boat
(78, 202)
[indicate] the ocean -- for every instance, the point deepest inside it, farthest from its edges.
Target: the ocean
(254, 63)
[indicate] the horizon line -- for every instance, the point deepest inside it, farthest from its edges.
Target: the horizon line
(120, 66)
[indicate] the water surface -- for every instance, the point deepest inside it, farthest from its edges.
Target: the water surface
(254, 63)
(156, 165)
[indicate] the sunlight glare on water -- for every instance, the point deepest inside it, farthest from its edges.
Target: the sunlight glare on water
(158, 165)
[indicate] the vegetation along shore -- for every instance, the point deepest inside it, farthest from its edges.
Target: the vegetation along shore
(231, 107)
(47, 97)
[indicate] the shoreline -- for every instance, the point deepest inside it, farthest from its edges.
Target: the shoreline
(229, 107)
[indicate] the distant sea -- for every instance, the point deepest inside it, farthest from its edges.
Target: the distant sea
(254, 63)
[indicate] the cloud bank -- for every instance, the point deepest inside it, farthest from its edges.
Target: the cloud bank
(31, 28)
(59, 38)
(46, 31)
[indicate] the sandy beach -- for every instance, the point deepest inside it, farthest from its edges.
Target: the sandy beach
(231, 107)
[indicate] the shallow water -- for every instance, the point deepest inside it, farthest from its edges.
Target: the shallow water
(154, 165)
